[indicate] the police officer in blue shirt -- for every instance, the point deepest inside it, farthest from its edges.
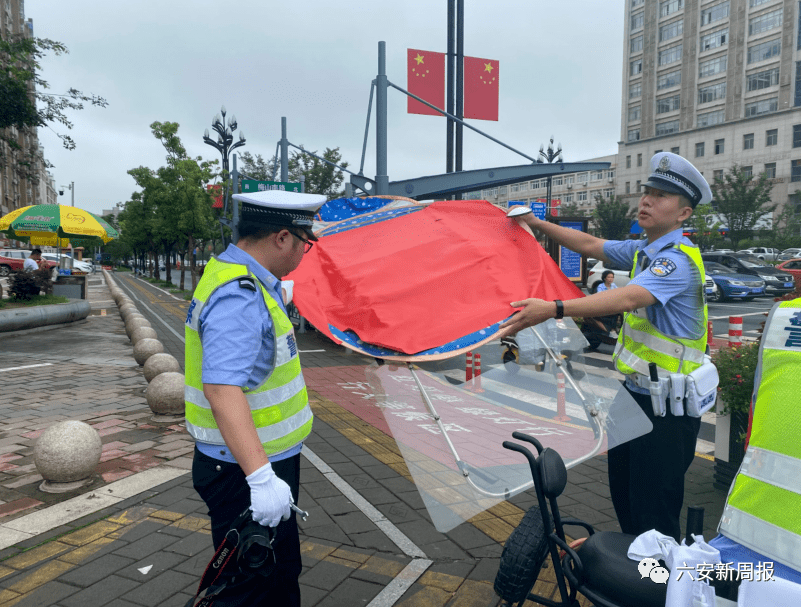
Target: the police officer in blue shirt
(249, 422)
(665, 322)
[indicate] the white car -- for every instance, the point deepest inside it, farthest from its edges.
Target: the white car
(594, 277)
(763, 253)
(789, 254)
(80, 266)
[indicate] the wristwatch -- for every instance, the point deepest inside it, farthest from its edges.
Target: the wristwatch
(560, 309)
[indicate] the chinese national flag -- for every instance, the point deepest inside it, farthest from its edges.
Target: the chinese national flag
(426, 79)
(481, 88)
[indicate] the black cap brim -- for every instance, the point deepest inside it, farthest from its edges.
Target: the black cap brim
(666, 186)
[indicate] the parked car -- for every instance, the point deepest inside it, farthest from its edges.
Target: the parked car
(793, 266)
(80, 266)
(764, 253)
(732, 285)
(777, 282)
(711, 289)
(594, 277)
(789, 254)
(722, 251)
(10, 257)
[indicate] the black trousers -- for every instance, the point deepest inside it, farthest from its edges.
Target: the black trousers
(646, 475)
(223, 487)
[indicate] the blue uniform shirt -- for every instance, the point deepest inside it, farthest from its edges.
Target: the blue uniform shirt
(671, 277)
(236, 331)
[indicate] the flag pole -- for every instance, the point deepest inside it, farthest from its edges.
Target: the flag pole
(450, 88)
(381, 177)
(459, 84)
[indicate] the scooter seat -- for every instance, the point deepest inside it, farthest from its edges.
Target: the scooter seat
(610, 573)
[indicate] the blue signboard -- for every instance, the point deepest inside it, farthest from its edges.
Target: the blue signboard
(537, 207)
(570, 261)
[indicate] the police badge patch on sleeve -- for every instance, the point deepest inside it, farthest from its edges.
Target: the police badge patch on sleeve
(662, 267)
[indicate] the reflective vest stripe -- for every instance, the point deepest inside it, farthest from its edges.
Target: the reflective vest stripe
(266, 434)
(776, 469)
(756, 533)
(641, 343)
(256, 401)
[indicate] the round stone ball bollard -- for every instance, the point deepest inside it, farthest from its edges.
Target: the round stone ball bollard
(160, 363)
(134, 322)
(145, 348)
(126, 309)
(66, 455)
(165, 395)
(141, 333)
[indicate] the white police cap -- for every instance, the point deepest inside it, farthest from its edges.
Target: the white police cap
(281, 208)
(674, 174)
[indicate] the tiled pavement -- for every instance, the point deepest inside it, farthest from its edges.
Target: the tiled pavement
(102, 557)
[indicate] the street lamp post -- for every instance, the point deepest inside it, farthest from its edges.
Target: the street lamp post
(225, 145)
(550, 156)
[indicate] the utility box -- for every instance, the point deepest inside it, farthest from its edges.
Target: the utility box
(73, 287)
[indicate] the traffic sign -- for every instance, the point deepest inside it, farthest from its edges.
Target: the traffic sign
(249, 185)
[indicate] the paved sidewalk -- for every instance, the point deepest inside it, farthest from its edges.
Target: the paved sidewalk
(147, 539)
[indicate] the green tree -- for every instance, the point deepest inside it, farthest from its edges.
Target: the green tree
(255, 167)
(612, 217)
(704, 222)
(742, 200)
(24, 104)
(321, 177)
(571, 209)
(787, 225)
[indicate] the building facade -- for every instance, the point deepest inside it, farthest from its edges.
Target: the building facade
(581, 189)
(716, 81)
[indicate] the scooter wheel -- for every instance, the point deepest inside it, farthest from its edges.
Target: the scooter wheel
(522, 558)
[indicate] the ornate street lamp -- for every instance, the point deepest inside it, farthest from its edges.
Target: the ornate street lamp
(550, 156)
(224, 143)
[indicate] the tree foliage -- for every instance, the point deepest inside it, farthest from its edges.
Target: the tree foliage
(787, 225)
(321, 177)
(255, 167)
(571, 209)
(612, 217)
(704, 222)
(742, 200)
(25, 104)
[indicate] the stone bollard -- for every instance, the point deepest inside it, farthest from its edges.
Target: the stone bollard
(134, 322)
(66, 455)
(160, 363)
(140, 333)
(165, 396)
(126, 309)
(146, 348)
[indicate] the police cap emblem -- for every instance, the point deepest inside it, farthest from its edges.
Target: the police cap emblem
(664, 164)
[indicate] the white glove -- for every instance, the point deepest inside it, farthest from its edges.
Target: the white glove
(269, 497)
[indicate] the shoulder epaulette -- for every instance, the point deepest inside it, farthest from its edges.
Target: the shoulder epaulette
(248, 283)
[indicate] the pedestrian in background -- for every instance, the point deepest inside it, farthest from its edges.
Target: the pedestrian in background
(608, 281)
(33, 261)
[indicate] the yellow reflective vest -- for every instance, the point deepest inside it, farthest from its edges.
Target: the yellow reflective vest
(640, 342)
(280, 404)
(763, 509)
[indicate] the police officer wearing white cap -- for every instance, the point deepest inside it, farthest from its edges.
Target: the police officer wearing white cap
(665, 323)
(245, 399)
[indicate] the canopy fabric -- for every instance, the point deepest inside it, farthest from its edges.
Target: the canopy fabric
(45, 223)
(345, 208)
(419, 280)
(635, 227)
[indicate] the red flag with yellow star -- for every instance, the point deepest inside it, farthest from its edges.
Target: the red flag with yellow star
(426, 79)
(481, 88)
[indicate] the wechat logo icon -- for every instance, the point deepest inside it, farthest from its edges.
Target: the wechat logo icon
(650, 568)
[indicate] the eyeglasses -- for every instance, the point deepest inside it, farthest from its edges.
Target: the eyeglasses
(307, 244)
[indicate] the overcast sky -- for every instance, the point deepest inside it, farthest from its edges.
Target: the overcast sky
(312, 61)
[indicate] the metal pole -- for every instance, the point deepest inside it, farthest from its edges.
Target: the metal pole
(459, 83)
(235, 205)
(72, 189)
(449, 102)
(303, 184)
(284, 152)
(348, 190)
(548, 197)
(367, 127)
(381, 177)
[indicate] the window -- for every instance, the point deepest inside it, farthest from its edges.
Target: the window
(567, 198)
(798, 44)
(514, 188)
(670, 6)
(714, 40)
(771, 137)
(636, 44)
(634, 135)
(665, 81)
(765, 22)
(770, 170)
(710, 118)
(720, 145)
(639, 160)
(671, 30)
(569, 180)
(636, 3)
(581, 178)
(610, 174)
(628, 162)
(753, 3)
(758, 108)
(635, 90)
(582, 196)
(668, 104)
(669, 55)
(608, 193)
(636, 21)
(748, 171)
(635, 67)
(797, 135)
(634, 113)
(712, 92)
(667, 128)
(638, 185)
(717, 175)
(715, 13)
(797, 101)
(748, 141)
(713, 66)
(628, 187)
(762, 80)
(554, 181)
(699, 149)
(675, 151)
(795, 170)
(764, 50)
(597, 176)
(657, 152)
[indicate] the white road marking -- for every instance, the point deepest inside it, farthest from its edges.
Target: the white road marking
(26, 367)
(765, 313)
(161, 320)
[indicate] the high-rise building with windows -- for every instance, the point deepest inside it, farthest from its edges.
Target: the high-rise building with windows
(716, 81)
